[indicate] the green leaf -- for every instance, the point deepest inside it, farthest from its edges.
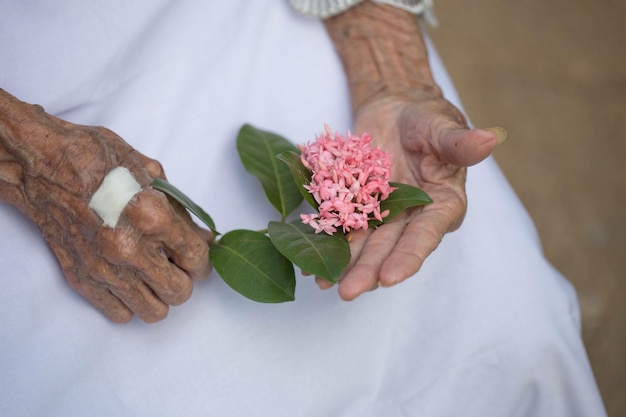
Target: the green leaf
(300, 174)
(249, 263)
(257, 150)
(319, 254)
(403, 197)
(185, 201)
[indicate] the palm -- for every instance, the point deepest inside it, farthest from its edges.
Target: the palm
(430, 146)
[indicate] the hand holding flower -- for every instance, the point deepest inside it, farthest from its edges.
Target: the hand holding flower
(430, 145)
(345, 179)
(396, 100)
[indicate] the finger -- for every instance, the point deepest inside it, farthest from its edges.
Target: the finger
(357, 239)
(150, 213)
(97, 295)
(172, 285)
(363, 276)
(467, 147)
(204, 234)
(128, 286)
(104, 301)
(115, 271)
(137, 296)
(323, 284)
(187, 250)
(420, 238)
(120, 246)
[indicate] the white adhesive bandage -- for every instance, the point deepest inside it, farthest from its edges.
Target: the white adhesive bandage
(117, 189)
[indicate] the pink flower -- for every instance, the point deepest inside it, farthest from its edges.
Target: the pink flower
(349, 179)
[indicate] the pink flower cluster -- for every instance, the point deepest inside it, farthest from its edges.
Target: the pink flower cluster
(349, 180)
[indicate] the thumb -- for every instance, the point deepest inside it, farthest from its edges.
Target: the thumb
(467, 147)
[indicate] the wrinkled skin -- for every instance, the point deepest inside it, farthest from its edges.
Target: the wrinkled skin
(430, 146)
(49, 169)
(396, 100)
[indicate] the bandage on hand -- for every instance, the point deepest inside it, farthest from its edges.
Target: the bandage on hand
(117, 189)
(137, 260)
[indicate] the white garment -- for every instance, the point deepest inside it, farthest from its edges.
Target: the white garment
(486, 328)
(327, 8)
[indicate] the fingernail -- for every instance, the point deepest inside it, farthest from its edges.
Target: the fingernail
(501, 134)
(388, 283)
(323, 284)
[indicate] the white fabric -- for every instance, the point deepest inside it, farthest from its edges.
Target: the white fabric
(327, 8)
(117, 189)
(486, 328)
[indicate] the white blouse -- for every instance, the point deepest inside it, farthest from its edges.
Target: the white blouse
(486, 328)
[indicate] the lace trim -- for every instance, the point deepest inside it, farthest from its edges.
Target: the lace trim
(327, 8)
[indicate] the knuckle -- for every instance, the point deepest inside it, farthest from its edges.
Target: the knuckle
(198, 249)
(117, 245)
(120, 287)
(178, 242)
(126, 249)
(154, 168)
(182, 295)
(150, 212)
(194, 257)
(172, 289)
(104, 301)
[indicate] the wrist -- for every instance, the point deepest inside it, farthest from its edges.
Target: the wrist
(11, 168)
(22, 139)
(33, 159)
(383, 54)
(327, 8)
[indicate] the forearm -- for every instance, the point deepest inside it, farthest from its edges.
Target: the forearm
(383, 53)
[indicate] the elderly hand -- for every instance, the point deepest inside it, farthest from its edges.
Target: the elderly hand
(395, 99)
(50, 169)
(430, 145)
